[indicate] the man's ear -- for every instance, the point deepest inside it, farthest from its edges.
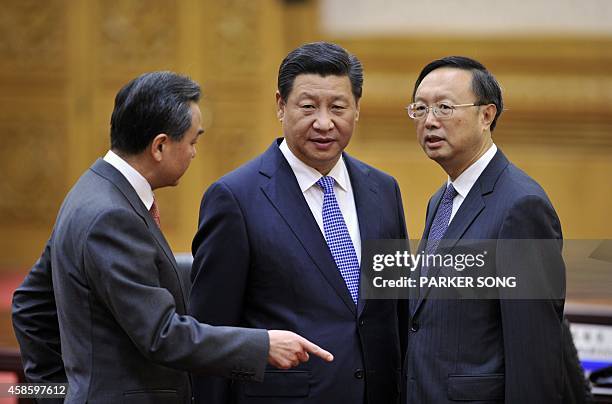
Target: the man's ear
(157, 146)
(488, 114)
(280, 106)
(357, 110)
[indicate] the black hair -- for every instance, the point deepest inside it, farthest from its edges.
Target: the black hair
(153, 103)
(322, 58)
(484, 85)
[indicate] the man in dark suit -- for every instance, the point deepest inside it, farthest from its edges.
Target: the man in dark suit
(498, 350)
(279, 243)
(105, 307)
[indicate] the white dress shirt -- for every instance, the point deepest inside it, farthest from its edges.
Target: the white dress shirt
(468, 178)
(138, 182)
(307, 178)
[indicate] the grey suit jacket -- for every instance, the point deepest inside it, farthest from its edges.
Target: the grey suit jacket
(108, 284)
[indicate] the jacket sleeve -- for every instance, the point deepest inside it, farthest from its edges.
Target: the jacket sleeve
(403, 304)
(121, 266)
(532, 327)
(219, 274)
(36, 325)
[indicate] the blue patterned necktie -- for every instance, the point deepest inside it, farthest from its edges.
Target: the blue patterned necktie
(338, 238)
(440, 222)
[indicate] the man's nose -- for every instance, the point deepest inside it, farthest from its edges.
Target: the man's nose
(323, 121)
(431, 121)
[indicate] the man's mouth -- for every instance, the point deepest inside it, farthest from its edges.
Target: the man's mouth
(434, 141)
(322, 143)
(322, 140)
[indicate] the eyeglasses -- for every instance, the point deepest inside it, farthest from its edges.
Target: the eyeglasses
(441, 111)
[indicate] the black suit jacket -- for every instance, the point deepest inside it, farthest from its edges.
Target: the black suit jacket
(497, 350)
(260, 260)
(107, 286)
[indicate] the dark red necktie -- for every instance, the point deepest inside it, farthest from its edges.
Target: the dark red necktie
(154, 211)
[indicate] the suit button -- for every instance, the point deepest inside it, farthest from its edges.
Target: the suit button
(361, 322)
(414, 327)
(359, 374)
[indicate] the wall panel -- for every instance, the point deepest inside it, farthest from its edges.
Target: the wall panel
(63, 61)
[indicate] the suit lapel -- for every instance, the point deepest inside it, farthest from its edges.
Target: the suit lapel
(283, 192)
(471, 207)
(467, 213)
(367, 202)
(109, 172)
(431, 212)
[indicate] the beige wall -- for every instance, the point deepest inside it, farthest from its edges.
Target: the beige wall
(362, 18)
(62, 61)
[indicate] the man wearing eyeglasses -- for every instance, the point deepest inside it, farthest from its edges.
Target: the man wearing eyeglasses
(496, 350)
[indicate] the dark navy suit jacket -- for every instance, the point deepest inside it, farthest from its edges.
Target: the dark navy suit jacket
(497, 350)
(260, 260)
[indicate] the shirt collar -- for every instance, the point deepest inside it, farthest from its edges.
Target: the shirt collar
(307, 176)
(464, 183)
(136, 180)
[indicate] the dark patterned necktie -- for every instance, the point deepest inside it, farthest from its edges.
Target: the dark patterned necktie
(440, 223)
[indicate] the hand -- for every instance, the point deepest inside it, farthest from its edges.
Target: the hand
(287, 350)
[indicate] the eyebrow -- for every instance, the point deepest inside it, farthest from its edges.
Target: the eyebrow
(309, 95)
(438, 97)
(306, 95)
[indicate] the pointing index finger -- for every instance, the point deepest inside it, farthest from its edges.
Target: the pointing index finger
(316, 350)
